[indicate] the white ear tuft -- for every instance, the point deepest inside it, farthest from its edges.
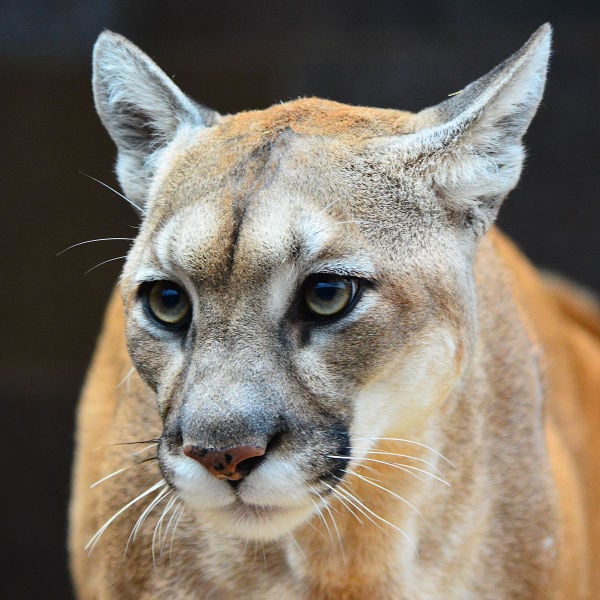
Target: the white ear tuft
(141, 108)
(470, 146)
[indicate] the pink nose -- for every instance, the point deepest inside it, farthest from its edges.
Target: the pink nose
(231, 463)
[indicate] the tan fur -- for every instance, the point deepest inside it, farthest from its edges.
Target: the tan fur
(465, 385)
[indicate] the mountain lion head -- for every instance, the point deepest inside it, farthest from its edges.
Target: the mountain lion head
(302, 283)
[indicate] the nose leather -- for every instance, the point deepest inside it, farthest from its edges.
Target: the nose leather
(231, 463)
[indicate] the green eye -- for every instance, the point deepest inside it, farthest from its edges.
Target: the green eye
(167, 303)
(326, 296)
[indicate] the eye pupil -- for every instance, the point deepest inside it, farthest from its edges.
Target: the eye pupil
(170, 297)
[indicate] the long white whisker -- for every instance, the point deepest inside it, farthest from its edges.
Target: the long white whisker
(168, 509)
(401, 466)
(156, 534)
(410, 468)
(140, 520)
(378, 517)
(153, 445)
(104, 262)
(397, 496)
(126, 378)
(122, 469)
(132, 204)
(405, 441)
(106, 239)
(362, 465)
(89, 547)
(333, 521)
(324, 521)
(262, 545)
(348, 472)
(180, 510)
(344, 502)
(385, 453)
(356, 503)
(291, 536)
(110, 475)
(329, 206)
(311, 524)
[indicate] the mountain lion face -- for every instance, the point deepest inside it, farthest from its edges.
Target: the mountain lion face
(301, 287)
(287, 314)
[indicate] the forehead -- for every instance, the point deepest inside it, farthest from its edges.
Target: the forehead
(276, 228)
(264, 187)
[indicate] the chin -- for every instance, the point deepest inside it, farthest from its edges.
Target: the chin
(261, 523)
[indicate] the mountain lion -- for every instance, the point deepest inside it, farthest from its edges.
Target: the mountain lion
(326, 374)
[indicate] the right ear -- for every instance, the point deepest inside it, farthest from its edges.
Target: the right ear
(141, 108)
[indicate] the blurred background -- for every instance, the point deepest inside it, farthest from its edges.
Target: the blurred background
(230, 56)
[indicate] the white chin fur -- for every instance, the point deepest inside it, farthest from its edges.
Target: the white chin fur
(258, 522)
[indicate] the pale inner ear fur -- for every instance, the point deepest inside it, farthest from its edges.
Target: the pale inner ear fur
(469, 147)
(141, 108)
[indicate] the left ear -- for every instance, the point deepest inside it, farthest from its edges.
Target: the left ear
(469, 147)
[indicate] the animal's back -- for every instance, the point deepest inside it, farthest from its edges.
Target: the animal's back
(564, 323)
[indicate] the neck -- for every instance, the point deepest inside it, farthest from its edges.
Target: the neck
(372, 532)
(411, 523)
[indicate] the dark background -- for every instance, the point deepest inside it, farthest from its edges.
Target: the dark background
(230, 56)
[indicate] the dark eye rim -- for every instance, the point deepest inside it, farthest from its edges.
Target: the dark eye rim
(144, 296)
(305, 315)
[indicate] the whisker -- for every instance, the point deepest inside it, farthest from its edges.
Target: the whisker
(107, 239)
(110, 475)
(128, 467)
(343, 502)
(401, 466)
(153, 445)
(262, 545)
(108, 187)
(145, 460)
(397, 496)
(151, 441)
(378, 517)
(142, 518)
(405, 441)
(324, 521)
(104, 262)
(319, 512)
(334, 523)
(255, 554)
(291, 536)
(180, 510)
(356, 460)
(126, 378)
(156, 534)
(89, 547)
(171, 505)
(385, 453)
(324, 211)
(311, 524)
(355, 502)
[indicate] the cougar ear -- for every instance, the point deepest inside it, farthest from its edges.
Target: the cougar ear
(141, 108)
(469, 147)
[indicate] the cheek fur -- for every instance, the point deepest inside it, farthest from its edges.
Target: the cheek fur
(400, 399)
